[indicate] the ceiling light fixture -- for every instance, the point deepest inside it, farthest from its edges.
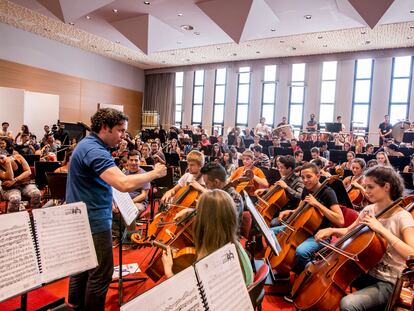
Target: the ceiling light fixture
(117, 42)
(308, 16)
(409, 38)
(257, 52)
(282, 41)
(320, 37)
(188, 59)
(363, 32)
(325, 45)
(72, 24)
(196, 33)
(179, 42)
(180, 14)
(186, 27)
(115, 10)
(412, 27)
(411, 11)
(234, 54)
(272, 29)
(147, 2)
(293, 48)
(367, 42)
(88, 17)
(218, 48)
(172, 54)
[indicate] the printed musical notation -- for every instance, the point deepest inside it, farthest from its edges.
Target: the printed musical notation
(179, 293)
(125, 205)
(65, 240)
(19, 269)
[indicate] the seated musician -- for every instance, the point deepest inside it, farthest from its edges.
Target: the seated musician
(369, 149)
(322, 166)
(195, 160)
(18, 184)
(392, 150)
(350, 156)
(215, 225)
(374, 289)
(214, 176)
(256, 142)
(260, 159)
(326, 204)
(259, 178)
(146, 158)
(261, 128)
(156, 154)
(294, 145)
(357, 179)
(298, 154)
(290, 182)
(312, 124)
(410, 167)
(284, 122)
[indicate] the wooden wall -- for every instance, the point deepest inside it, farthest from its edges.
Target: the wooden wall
(78, 97)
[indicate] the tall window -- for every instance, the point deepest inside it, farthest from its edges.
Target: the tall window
(179, 85)
(269, 94)
(198, 97)
(219, 99)
(400, 88)
(243, 96)
(328, 87)
(362, 93)
(297, 95)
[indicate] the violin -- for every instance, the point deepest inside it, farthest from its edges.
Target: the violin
(275, 199)
(323, 283)
(183, 252)
(300, 225)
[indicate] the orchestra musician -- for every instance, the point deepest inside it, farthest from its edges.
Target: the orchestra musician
(339, 120)
(326, 204)
(290, 181)
(385, 129)
(193, 177)
(410, 167)
(357, 179)
(350, 156)
(259, 179)
(383, 185)
(215, 225)
(312, 124)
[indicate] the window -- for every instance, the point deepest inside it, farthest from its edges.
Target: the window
(269, 94)
(328, 87)
(198, 97)
(297, 95)
(361, 102)
(400, 88)
(179, 85)
(243, 96)
(219, 99)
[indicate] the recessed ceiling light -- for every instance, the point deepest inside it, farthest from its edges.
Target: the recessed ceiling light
(367, 42)
(409, 38)
(272, 29)
(411, 11)
(172, 54)
(117, 42)
(282, 41)
(180, 14)
(72, 24)
(186, 27)
(188, 59)
(115, 10)
(179, 42)
(147, 2)
(363, 32)
(325, 45)
(234, 54)
(320, 37)
(218, 48)
(308, 16)
(196, 33)
(412, 27)
(293, 48)
(257, 52)
(88, 17)
(192, 52)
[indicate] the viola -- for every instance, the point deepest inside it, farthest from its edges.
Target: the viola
(300, 225)
(243, 181)
(275, 199)
(323, 283)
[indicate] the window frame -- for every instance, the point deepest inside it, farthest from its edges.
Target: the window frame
(202, 96)
(182, 97)
(248, 99)
(219, 125)
(292, 85)
(264, 82)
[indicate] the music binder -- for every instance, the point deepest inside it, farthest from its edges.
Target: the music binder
(42, 246)
(214, 283)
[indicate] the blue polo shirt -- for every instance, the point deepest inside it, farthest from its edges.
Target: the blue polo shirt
(89, 160)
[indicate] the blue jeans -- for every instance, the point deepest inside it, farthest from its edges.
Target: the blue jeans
(374, 295)
(87, 290)
(304, 251)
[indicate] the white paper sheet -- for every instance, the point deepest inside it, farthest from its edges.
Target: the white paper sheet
(125, 205)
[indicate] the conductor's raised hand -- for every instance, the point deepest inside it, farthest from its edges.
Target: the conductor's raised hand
(160, 170)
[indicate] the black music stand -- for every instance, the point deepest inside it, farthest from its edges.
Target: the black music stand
(408, 137)
(408, 180)
(122, 235)
(333, 127)
(40, 172)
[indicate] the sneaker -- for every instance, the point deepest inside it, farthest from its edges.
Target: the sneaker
(115, 243)
(288, 298)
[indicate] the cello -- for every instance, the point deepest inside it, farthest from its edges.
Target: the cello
(355, 195)
(323, 283)
(275, 199)
(300, 225)
(185, 197)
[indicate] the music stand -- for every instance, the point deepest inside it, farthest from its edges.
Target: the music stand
(408, 137)
(40, 172)
(333, 127)
(31, 158)
(408, 180)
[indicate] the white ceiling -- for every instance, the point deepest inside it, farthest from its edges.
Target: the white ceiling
(149, 36)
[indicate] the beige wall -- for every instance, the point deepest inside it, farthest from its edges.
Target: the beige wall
(78, 97)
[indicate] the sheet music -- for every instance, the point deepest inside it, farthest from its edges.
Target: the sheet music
(125, 205)
(267, 233)
(19, 270)
(222, 280)
(178, 293)
(65, 240)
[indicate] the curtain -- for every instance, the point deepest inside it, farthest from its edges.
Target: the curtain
(159, 95)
